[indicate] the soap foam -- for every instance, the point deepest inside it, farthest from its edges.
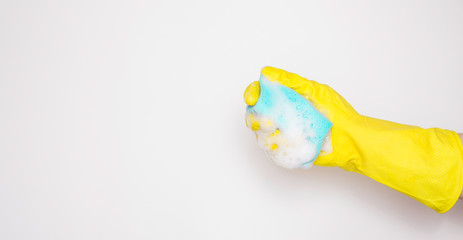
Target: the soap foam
(284, 132)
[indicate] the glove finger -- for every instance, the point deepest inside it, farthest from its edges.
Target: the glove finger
(303, 86)
(322, 97)
(299, 84)
(251, 94)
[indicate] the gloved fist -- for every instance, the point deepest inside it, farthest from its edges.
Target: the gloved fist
(425, 164)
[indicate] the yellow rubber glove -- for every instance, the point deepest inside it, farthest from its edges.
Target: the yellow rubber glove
(425, 164)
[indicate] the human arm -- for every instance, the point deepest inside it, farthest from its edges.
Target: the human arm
(425, 164)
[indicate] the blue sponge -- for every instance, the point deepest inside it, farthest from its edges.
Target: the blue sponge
(313, 124)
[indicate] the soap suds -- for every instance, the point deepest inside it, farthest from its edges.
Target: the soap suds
(283, 130)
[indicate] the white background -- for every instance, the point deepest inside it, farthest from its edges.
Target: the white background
(125, 119)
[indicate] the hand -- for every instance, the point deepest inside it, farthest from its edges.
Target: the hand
(322, 97)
